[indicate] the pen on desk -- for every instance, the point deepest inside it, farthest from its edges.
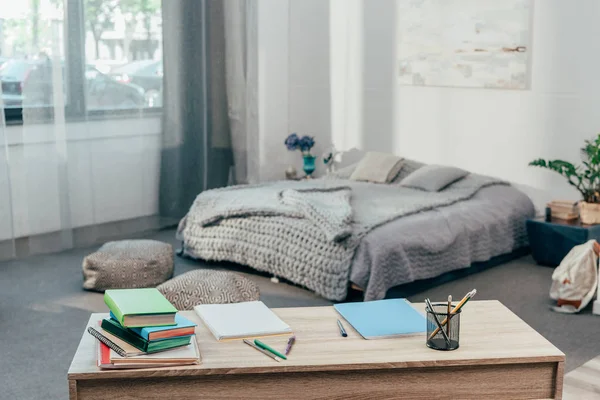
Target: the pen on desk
(266, 353)
(290, 343)
(269, 349)
(342, 330)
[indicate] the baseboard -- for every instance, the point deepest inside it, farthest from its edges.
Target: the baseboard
(79, 237)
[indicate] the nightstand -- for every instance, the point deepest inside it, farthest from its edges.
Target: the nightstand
(550, 241)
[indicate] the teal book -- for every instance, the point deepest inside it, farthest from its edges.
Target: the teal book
(140, 307)
(112, 326)
(383, 318)
(182, 327)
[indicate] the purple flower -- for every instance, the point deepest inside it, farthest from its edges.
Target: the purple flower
(292, 142)
(306, 143)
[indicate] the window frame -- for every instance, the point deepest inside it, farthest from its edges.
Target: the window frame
(75, 65)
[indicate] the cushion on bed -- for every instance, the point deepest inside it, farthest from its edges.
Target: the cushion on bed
(377, 167)
(433, 178)
(408, 167)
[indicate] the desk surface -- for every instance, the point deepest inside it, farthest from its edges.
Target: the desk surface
(490, 335)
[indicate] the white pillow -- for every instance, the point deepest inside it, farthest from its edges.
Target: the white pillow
(377, 167)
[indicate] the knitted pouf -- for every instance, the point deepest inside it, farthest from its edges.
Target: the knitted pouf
(128, 264)
(208, 287)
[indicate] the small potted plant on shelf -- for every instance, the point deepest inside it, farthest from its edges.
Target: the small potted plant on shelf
(304, 144)
(585, 178)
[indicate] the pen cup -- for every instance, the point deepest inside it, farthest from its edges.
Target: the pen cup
(437, 341)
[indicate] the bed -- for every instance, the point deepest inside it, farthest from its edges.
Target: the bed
(474, 220)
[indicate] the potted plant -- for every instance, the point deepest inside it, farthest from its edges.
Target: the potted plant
(585, 178)
(304, 144)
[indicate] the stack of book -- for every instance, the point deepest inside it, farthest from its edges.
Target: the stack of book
(143, 331)
(562, 209)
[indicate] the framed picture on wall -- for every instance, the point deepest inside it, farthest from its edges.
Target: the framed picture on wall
(464, 43)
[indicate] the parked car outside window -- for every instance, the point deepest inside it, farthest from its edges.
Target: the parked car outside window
(29, 83)
(147, 74)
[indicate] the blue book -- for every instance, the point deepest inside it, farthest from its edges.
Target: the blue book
(383, 318)
(183, 327)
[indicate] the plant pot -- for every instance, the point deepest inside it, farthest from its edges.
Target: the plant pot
(589, 213)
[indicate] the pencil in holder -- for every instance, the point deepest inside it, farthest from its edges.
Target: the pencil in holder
(435, 338)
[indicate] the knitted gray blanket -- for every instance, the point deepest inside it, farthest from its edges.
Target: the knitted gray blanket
(305, 231)
(326, 206)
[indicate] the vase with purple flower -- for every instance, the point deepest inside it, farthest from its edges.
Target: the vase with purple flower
(304, 144)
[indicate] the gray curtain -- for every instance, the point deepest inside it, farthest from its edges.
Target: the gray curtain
(197, 150)
(238, 16)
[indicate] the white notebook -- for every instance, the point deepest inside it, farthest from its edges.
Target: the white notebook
(241, 320)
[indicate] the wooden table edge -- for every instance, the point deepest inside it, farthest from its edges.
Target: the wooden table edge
(199, 371)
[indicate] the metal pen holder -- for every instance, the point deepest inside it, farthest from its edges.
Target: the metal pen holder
(435, 338)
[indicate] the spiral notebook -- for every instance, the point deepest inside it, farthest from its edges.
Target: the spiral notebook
(118, 345)
(107, 358)
(114, 353)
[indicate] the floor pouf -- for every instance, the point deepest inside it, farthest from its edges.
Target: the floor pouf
(128, 264)
(208, 287)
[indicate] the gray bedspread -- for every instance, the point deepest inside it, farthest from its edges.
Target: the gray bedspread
(234, 224)
(428, 244)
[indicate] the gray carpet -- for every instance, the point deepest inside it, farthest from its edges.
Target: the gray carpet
(43, 312)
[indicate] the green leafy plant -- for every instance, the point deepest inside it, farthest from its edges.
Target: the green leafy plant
(585, 177)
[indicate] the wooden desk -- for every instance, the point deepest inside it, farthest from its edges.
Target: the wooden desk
(500, 357)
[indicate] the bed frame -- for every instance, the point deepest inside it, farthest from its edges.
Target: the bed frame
(408, 289)
(412, 288)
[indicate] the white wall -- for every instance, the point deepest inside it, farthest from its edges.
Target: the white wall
(495, 132)
(111, 169)
(293, 81)
(309, 81)
(273, 77)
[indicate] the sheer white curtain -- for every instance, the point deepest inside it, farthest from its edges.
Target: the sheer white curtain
(80, 135)
(91, 146)
(241, 80)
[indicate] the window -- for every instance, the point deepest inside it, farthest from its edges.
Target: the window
(88, 56)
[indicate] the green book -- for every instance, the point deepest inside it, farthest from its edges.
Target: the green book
(112, 326)
(140, 307)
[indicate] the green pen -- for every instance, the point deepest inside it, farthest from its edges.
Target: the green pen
(268, 348)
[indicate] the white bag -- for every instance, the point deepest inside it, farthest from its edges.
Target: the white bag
(575, 280)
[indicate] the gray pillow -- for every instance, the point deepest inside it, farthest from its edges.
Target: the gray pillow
(408, 167)
(433, 178)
